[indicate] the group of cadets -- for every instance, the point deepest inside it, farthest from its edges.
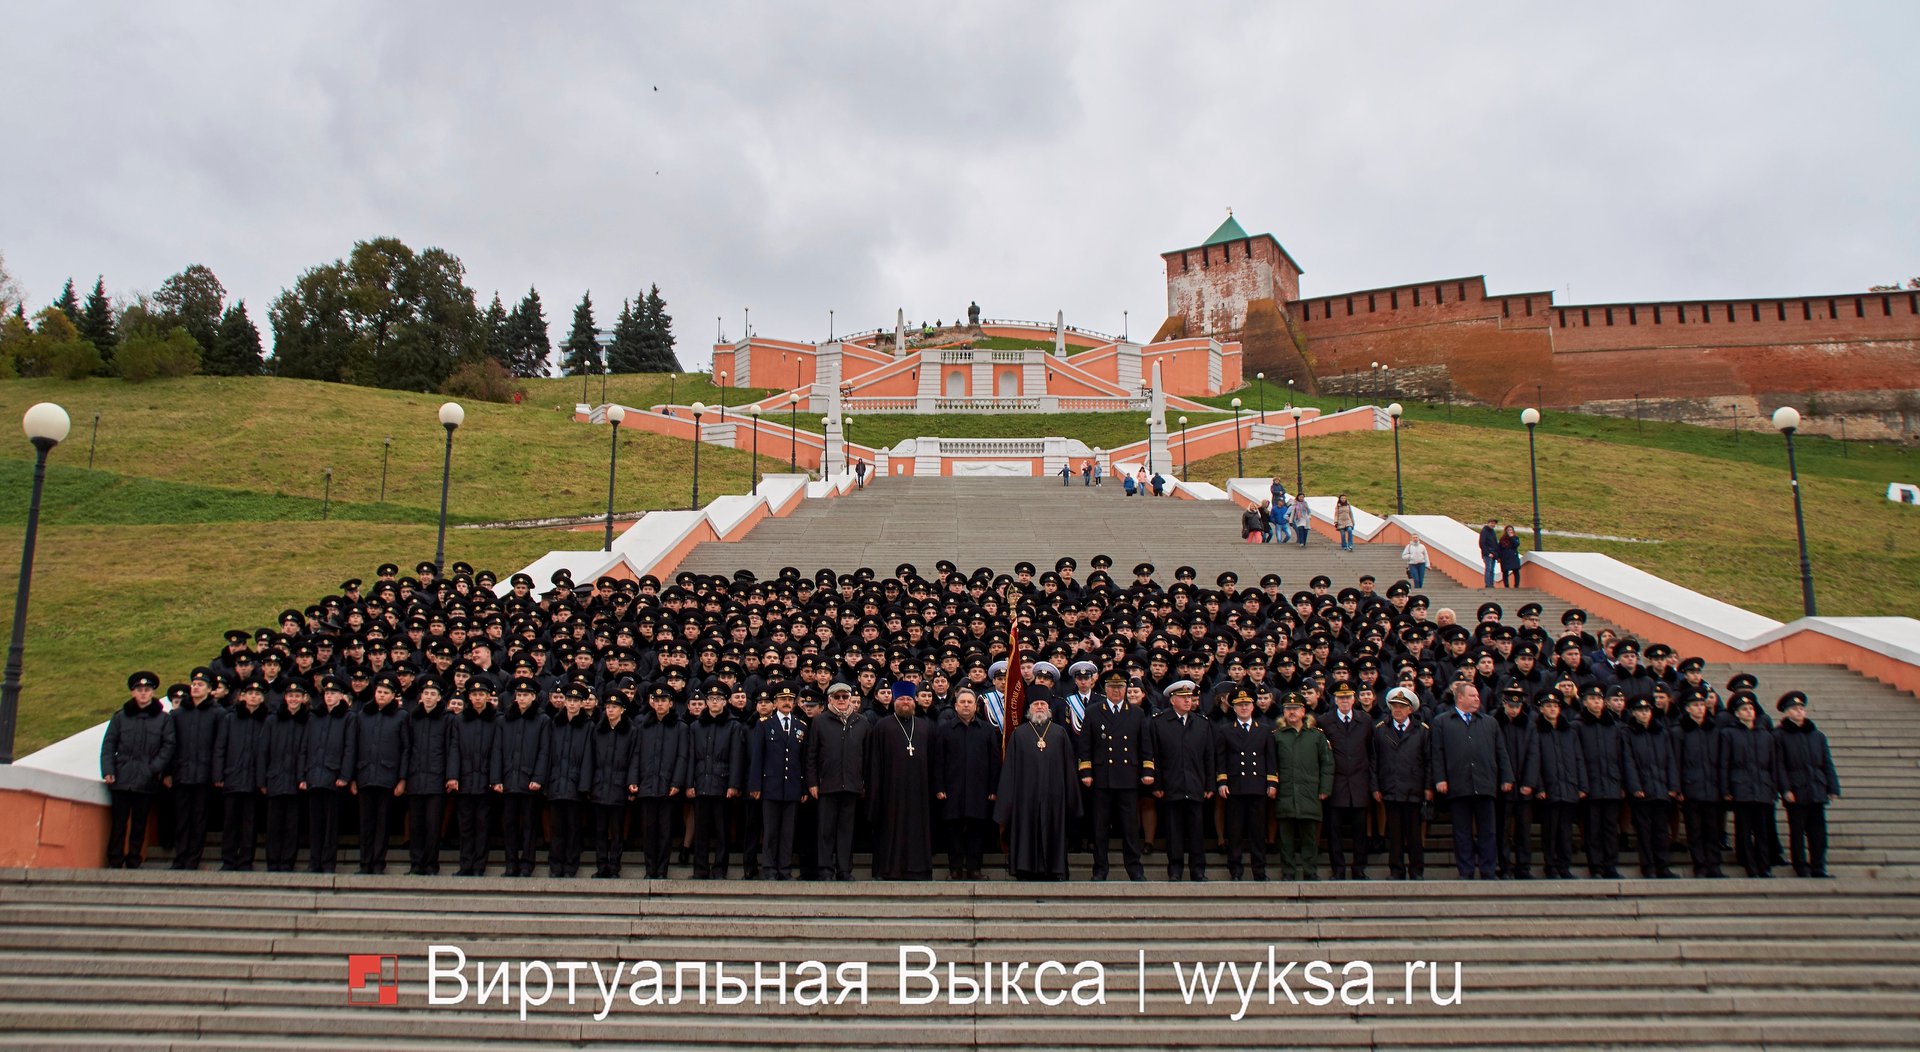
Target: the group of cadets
(783, 719)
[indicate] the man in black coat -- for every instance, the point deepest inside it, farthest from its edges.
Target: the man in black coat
(328, 762)
(380, 768)
(1808, 782)
(966, 778)
(1653, 786)
(1557, 773)
(1116, 761)
(1350, 736)
(1470, 768)
(521, 747)
(429, 778)
(615, 781)
(136, 758)
(240, 774)
(836, 765)
(1603, 745)
(1399, 773)
(473, 763)
(716, 771)
(286, 776)
(1513, 810)
(196, 720)
(1183, 750)
(1694, 754)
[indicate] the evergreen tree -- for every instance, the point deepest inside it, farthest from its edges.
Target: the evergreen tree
(528, 345)
(581, 352)
(96, 321)
(499, 342)
(236, 347)
(656, 326)
(627, 352)
(69, 304)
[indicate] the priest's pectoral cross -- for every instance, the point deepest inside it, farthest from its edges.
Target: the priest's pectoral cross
(909, 748)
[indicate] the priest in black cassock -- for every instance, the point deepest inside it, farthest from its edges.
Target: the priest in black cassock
(1039, 791)
(900, 794)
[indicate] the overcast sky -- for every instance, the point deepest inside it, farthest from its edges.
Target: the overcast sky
(797, 158)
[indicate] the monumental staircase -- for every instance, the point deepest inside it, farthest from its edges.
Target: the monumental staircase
(157, 959)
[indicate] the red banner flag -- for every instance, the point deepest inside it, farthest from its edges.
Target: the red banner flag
(1015, 705)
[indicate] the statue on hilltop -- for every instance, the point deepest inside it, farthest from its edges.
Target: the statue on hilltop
(973, 315)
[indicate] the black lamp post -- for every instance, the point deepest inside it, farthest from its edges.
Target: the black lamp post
(1788, 421)
(386, 451)
(699, 410)
(723, 396)
(93, 441)
(1375, 370)
(615, 414)
(326, 493)
(793, 434)
(1531, 418)
(46, 426)
(1239, 462)
(1299, 478)
(1399, 494)
(754, 412)
(1262, 379)
(1183, 449)
(451, 417)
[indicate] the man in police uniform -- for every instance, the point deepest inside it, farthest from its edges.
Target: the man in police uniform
(1116, 761)
(1245, 774)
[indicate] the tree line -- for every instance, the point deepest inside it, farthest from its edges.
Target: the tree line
(384, 315)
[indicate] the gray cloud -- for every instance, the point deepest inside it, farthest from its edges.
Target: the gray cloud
(856, 157)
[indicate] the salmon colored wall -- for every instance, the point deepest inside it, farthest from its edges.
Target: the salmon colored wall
(47, 832)
(1000, 383)
(902, 384)
(966, 380)
(1061, 382)
(781, 368)
(1183, 366)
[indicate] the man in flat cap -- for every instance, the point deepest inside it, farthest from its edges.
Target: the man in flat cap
(1183, 750)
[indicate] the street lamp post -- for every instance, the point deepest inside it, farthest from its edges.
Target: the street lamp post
(754, 412)
(1262, 378)
(1183, 449)
(699, 410)
(46, 426)
(1531, 418)
(1788, 421)
(793, 434)
(1375, 370)
(1239, 462)
(829, 324)
(1399, 494)
(386, 451)
(326, 493)
(93, 441)
(1299, 478)
(451, 417)
(615, 414)
(723, 396)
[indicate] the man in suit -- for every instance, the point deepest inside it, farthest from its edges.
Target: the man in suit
(1245, 774)
(1350, 735)
(1184, 780)
(1470, 767)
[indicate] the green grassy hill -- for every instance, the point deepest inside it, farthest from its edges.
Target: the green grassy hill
(203, 511)
(1721, 511)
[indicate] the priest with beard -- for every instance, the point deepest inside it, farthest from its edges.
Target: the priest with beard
(1039, 791)
(900, 800)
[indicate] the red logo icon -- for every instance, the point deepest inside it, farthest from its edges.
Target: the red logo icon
(373, 979)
